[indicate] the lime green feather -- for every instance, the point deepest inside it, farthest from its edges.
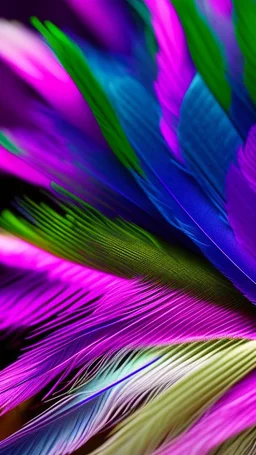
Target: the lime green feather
(83, 235)
(178, 407)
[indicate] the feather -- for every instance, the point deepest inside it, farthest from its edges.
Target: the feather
(33, 61)
(180, 405)
(219, 15)
(242, 110)
(176, 70)
(76, 418)
(112, 395)
(232, 414)
(244, 18)
(90, 87)
(243, 443)
(241, 200)
(91, 239)
(246, 158)
(202, 127)
(205, 51)
(37, 286)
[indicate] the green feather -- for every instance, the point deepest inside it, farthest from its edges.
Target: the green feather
(73, 60)
(242, 444)
(143, 13)
(81, 234)
(245, 25)
(205, 50)
(9, 145)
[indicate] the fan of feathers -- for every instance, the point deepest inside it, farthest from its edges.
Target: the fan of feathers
(128, 227)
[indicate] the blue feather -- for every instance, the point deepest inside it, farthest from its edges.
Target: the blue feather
(185, 204)
(208, 140)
